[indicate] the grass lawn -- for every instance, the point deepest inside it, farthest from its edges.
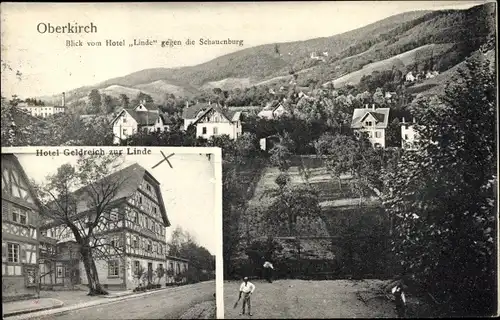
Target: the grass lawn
(310, 299)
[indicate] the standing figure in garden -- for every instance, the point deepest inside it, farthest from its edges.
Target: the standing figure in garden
(400, 299)
(268, 270)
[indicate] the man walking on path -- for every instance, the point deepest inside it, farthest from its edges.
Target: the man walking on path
(246, 289)
(268, 269)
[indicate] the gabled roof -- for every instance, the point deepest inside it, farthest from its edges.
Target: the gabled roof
(268, 110)
(191, 112)
(128, 179)
(380, 114)
(148, 105)
(143, 118)
(231, 116)
(9, 157)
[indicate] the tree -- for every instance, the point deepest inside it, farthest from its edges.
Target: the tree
(378, 98)
(281, 154)
(140, 275)
(442, 197)
(86, 212)
(292, 202)
(394, 133)
(124, 100)
(108, 103)
(159, 273)
(95, 100)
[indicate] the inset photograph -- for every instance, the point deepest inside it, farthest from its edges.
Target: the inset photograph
(129, 233)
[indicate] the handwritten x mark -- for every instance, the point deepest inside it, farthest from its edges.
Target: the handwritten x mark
(165, 158)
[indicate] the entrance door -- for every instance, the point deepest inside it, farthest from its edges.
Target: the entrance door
(150, 272)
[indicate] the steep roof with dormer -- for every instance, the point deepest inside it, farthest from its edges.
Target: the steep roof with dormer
(381, 116)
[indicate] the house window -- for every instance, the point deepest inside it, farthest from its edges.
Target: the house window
(160, 248)
(13, 251)
(113, 268)
(140, 199)
(135, 243)
(150, 246)
(154, 209)
(19, 215)
(137, 266)
(136, 217)
(215, 130)
(368, 123)
(124, 119)
(148, 187)
(59, 272)
(406, 137)
(377, 134)
(113, 216)
(204, 130)
(124, 132)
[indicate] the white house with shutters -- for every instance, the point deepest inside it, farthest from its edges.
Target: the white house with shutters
(145, 117)
(217, 121)
(373, 122)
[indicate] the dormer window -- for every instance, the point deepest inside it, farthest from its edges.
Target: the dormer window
(368, 123)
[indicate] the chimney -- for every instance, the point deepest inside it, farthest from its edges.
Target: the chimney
(63, 101)
(187, 104)
(373, 106)
(403, 120)
(366, 106)
(143, 101)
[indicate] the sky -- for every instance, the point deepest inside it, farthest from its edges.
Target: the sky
(188, 189)
(49, 67)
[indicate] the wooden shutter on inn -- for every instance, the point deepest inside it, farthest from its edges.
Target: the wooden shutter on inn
(5, 210)
(4, 252)
(22, 253)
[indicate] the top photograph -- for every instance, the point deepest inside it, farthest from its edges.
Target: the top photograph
(358, 140)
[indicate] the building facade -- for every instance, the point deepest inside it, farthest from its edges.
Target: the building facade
(273, 110)
(145, 117)
(43, 111)
(132, 233)
(409, 135)
(216, 122)
(373, 122)
(20, 237)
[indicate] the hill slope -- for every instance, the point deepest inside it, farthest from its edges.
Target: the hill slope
(344, 53)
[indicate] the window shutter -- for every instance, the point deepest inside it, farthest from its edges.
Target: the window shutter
(23, 254)
(4, 252)
(5, 210)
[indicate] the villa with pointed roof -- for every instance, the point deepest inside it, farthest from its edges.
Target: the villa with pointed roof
(136, 224)
(216, 120)
(373, 122)
(145, 117)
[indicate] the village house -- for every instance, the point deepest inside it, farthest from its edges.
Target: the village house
(409, 135)
(373, 122)
(410, 77)
(177, 266)
(145, 117)
(43, 111)
(273, 110)
(193, 112)
(20, 237)
(431, 74)
(216, 121)
(136, 225)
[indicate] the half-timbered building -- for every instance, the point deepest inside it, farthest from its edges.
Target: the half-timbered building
(20, 214)
(133, 231)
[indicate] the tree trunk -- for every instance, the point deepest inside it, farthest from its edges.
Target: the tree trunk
(95, 287)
